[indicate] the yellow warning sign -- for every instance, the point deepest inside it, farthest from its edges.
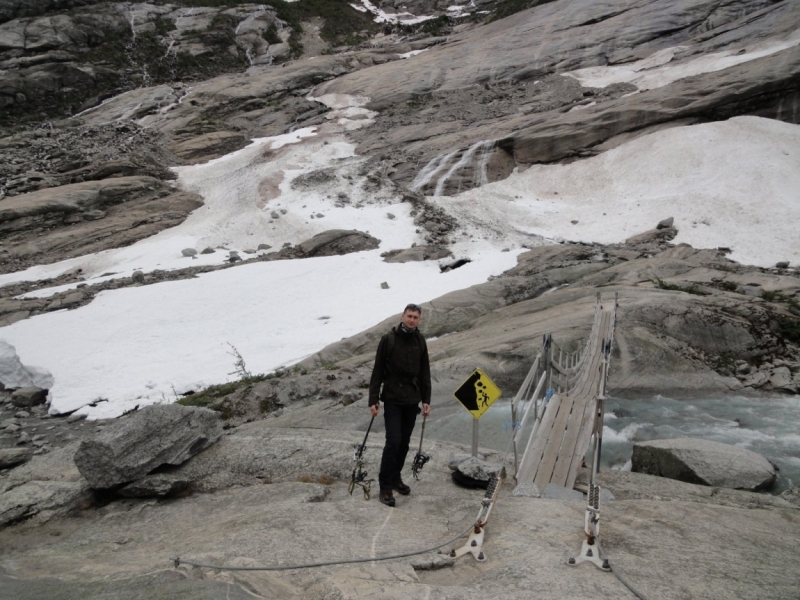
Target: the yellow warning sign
(477, 393)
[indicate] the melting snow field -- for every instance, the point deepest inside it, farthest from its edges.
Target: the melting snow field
(146, 344)
(732, 184)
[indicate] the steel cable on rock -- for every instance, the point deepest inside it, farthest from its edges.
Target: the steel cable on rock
(177, 561)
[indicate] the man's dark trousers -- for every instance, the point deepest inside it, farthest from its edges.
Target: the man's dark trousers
(399, 421)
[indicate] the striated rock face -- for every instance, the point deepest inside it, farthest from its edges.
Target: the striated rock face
(704, 462)
(154, 436)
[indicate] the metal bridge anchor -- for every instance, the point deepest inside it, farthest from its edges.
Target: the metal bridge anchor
(590, 549)
(474, 543)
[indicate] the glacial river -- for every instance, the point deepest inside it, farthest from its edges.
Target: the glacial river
(769, 426)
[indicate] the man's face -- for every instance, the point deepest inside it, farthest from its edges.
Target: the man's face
(411, 318)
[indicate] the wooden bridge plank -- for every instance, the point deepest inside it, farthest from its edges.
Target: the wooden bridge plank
(545, 471)
(587, 423)
(533, 454)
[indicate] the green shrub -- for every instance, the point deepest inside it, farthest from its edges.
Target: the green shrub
(689, 289)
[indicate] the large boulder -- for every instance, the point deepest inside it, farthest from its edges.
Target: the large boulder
(338, 241)
(154, 436)
(704, 462)
(29, 396)
(11, 457)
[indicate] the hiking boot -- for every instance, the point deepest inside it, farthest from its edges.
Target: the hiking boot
(386, 498)
(402, 488)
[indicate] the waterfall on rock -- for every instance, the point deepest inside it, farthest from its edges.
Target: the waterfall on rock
(476, 156)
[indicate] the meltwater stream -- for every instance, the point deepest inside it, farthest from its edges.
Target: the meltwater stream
(769, 426)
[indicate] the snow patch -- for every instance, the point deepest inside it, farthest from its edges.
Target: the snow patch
(656, 71)
(730, 183)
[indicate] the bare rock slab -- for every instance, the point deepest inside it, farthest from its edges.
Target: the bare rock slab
(149, 438)
(704, 462)
(44, 499)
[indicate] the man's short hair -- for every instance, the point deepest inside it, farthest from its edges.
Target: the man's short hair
(413, 308)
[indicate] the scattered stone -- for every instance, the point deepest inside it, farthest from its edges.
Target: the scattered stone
(703, 462)
(130, 448)
(207, 250)
(666, 223)
(654, 235)
(23, 414)
(234, 258)
(11, 457)
(275, 215)
(23, 439)
(390, 215)
(29, 396)
(75, 417)
(743, 368)
(784, 264)
(319, 215)
(792, 495)
(189, 252)
(264, 246)
(283, 211)
(384, 286)
(138, 277)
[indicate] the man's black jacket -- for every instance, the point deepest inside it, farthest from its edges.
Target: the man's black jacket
(406, 374)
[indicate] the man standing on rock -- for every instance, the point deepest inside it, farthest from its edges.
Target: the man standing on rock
(403, 369)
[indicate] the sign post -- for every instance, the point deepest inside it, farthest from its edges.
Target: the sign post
(476, 395)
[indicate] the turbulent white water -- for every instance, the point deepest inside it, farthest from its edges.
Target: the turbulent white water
(769, 426)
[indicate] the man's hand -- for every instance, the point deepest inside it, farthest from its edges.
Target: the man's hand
(374, 409)
(426, 410)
